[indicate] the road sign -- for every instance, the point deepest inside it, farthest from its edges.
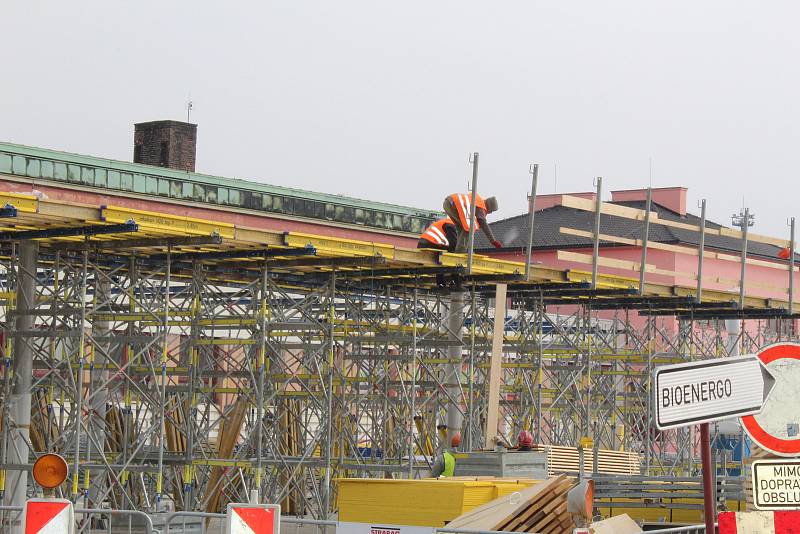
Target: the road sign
(253, 519)
(709, 390)
(776, 484)
(759, 522)
(777, 427)
(48, 516)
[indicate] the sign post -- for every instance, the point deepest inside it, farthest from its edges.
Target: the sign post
(710, 390)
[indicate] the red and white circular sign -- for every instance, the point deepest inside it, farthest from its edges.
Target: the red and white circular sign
(777, 427)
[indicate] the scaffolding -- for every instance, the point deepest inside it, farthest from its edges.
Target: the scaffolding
(180, 360)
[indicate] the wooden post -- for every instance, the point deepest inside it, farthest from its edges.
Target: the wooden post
(495, 364)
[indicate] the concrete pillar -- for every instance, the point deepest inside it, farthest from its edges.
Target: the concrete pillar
(733, 327)
(455, 417)
(99, 401)
(22, 353)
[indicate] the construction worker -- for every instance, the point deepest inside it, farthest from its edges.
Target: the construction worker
(457, 206)
(525, 441)
(445, 464)
(440, 235)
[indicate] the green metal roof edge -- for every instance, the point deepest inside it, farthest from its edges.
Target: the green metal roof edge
(163, 172)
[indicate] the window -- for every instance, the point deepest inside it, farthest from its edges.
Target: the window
(151, 185)
(235, 197)
(163, 187)
(46, 170)
(5, 162)
(100, 177)
(330, 210)
(199, 193)
(187, 190)
(139, 183)
(360, 216)
(266, 202)
(380, 219)
(126, 180)
(114, 180)
(222, 195)
(163, 158)
(277, 204)
(34, 166)
(18, 165)
(73, 173)
(175, 188)
(87, 175)
(211, 195)
(60, 171)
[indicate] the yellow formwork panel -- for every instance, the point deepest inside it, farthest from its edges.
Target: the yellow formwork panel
(425, 502)
(333, 246)
(166, 224)
(23, 203)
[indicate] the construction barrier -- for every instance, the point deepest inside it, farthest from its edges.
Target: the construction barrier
(783, 522)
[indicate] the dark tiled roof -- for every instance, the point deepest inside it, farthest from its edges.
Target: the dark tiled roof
(513, 232)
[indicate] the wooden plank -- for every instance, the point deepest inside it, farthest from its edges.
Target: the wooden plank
(678, 249)
(231, 428)
(498, 511)
(495, 364)
(638, 215)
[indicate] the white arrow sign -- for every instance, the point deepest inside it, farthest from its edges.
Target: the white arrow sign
(698, 392)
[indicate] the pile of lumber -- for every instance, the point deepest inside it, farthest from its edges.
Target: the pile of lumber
(541, 508)
(567, 460)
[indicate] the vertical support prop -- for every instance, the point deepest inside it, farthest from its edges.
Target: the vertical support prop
(701, 251)
(596, 234)
(745, 225)
(495, 365)
(645, 237)
(472, 210)
(534, 172)
(163, 390)
(791, 266)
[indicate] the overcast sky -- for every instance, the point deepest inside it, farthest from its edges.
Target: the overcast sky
(385, 100)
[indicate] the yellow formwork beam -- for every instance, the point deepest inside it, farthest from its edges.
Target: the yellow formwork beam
(481, 264)
(334, 246)
(165, 223)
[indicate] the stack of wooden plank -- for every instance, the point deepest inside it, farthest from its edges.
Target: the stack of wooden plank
(567, 460)
(541, 508)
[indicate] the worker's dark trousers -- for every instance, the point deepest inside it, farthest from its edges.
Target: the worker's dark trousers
(463, 236)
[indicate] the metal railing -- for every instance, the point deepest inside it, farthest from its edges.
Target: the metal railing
(691, 529)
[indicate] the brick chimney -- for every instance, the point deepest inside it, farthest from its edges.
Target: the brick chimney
(672, 198)
(170, 144)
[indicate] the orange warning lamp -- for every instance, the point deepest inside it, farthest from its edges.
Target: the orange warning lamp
(50, 470)
(580, 499)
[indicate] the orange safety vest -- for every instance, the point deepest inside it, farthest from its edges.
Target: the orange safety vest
(462, 203)
(435, 232)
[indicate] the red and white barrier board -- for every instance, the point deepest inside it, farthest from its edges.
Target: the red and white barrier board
(786, 522)
(48, 516)
(253, 519)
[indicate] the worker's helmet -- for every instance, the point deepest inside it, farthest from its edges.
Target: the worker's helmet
(525, 439)
(455, 441)
(491, 204)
